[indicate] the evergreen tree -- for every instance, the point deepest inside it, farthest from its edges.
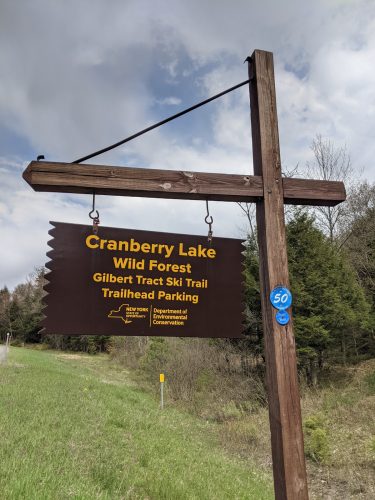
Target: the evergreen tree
(330, 308)
(331, 313)
(253, 311)
(360, 247)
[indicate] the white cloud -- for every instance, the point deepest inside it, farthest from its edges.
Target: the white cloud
(169, 101)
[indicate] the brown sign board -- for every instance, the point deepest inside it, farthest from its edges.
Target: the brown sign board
(131, 282)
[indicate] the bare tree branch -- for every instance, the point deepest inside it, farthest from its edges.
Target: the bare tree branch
(330, 163)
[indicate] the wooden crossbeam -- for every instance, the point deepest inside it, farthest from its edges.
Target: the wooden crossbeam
(154, 183)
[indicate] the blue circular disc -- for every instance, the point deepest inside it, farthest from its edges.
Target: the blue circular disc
(282, 317)
(281, 298)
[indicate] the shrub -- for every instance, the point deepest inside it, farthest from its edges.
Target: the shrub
(155, 358)
(128, 350)
(316, 439)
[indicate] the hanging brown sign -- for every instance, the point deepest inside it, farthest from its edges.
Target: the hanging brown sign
(130, 282)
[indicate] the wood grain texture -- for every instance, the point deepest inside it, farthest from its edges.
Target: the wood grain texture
(280, 352)
(127, 181)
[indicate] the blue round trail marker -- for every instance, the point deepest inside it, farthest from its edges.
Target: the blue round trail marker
(281, 298)
(282, 317)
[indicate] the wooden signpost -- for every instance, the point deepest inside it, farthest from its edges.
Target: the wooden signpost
(270, 191)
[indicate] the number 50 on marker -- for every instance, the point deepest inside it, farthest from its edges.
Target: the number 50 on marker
(281, 298)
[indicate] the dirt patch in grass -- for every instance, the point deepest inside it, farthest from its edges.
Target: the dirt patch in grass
(74, 356)
(101, 366)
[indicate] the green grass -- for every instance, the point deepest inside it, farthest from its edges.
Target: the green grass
(74, 427)
(370, 382)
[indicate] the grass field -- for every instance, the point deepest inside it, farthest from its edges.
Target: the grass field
(74, 426)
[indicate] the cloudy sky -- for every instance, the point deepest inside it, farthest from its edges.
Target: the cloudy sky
(78, 75)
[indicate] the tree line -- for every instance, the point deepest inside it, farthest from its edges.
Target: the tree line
(21, 313)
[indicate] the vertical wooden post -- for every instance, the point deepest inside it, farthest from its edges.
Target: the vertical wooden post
(289, 469)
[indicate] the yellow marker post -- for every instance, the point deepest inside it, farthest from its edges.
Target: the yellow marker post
(161, 378)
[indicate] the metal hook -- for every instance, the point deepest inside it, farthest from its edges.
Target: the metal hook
(209, 220)
(94, 218)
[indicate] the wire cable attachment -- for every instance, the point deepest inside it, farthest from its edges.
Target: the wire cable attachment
(95, 217)
(209, 220)
(162, 122)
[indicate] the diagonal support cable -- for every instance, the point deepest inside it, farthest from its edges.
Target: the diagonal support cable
(166, 120)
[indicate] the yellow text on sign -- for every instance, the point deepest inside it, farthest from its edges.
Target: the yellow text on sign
(161, 377)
